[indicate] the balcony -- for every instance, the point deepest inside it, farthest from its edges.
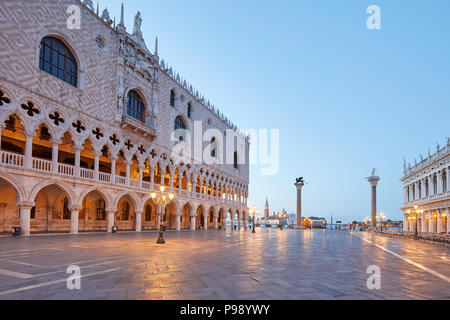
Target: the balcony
(432, 198)
(146, 128)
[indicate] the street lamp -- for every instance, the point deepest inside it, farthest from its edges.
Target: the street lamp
(162, 199)
(381, 217)
(254, 211)
(416, 212)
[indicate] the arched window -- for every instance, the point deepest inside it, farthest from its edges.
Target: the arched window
(172, 98)
(56, 59)
(101, 210)
(148, 213)
(125, 211)
(420, 190)
(444, 181)
(180, 127)
(235, 164)
(435, 185)
(427, 188)
(135, 106)
(189, 113)
(409, 197)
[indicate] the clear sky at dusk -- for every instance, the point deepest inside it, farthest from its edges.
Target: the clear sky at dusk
(345, 98)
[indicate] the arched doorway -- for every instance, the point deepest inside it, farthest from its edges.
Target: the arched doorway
(200, 220)
(211, 218)
(186, 217)
(93, 215)
(126, 217)
(149, 217)
(9, 212)
(52, 211)
(170, 217)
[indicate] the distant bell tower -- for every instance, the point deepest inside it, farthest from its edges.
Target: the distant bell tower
(266, 209)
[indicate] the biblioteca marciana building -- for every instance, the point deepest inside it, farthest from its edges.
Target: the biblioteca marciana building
(426, 194)
(89, 119)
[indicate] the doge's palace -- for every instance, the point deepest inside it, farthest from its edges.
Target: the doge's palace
(89, 121)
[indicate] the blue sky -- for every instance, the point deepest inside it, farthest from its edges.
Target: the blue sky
(346, 99)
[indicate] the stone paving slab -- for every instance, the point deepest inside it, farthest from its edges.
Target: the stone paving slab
(224, 265)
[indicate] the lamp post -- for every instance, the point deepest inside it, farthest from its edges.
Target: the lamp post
(416, 212)
(162, 199)
(381, 217)
(253, 211)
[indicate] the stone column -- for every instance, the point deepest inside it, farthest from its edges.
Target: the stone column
(96, 165)
(152, 178)
(111, 213)
(438, 222)
(205, 221)
(448, 220)
(55, 151)
(245, 221)
(178, 222)
(373, 180)
(113, 169)
(448, 175)
(128, 165)
(194, 187)
(430, 222)
(424, 223)
(77, 160)
(2, 207)
(163, 179)
(29, 149)
(141, 172)
(74, 215)
(138, 221)
(25, 214)
(171, 181)
(193, 219)
(216, 220)
(299, 186)
(232, 221)
(180, 181)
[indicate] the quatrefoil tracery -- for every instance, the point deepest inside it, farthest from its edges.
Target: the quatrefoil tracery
(97, 133)
(4, 98)
(30, 109)
(129, 145)
(57, 119)
(114, 139)
(78, 126)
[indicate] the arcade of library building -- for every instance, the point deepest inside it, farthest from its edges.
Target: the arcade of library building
(426, 194)
(89, 119)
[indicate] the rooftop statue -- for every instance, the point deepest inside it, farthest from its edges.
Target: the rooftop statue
(374, 172)
(137, 24)
(300, 180)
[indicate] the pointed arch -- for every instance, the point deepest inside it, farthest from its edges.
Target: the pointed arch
(71, 197)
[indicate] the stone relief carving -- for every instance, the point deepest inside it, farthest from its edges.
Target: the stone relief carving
(138, 61)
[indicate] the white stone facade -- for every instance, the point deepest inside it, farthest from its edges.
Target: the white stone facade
(72, 157)
(426, 193)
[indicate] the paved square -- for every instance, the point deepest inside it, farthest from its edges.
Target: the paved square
(269, 265)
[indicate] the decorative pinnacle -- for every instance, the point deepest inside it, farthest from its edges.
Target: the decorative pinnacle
(122, 16)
